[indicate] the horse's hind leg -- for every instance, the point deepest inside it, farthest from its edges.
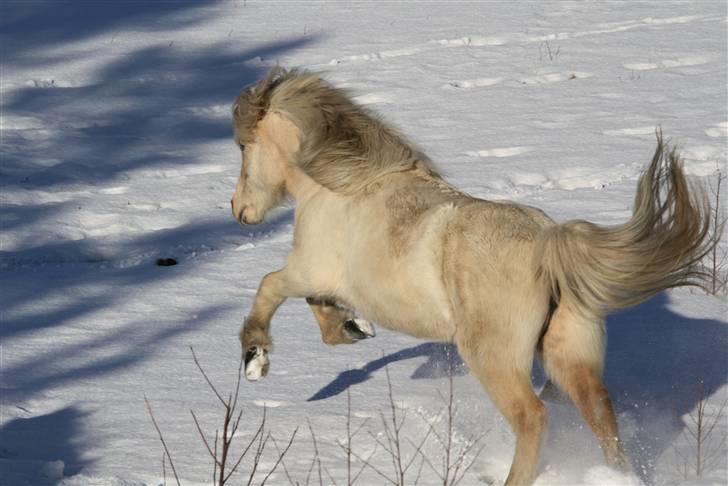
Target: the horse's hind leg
(339, 325)
(573, 356)
(509, 386)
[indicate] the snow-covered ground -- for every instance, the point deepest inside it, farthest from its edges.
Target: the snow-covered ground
(116, 151)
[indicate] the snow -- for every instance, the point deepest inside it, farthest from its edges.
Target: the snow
(116, 151)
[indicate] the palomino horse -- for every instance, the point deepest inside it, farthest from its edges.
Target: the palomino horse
(379, 232)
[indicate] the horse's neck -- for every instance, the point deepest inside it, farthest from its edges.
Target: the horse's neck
(299, 185)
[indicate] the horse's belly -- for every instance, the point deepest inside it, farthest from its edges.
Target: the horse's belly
(401, 287)
(406, 306)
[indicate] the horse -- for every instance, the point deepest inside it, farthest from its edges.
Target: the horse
(379, 233)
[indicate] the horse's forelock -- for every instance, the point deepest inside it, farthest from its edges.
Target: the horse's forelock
(254, 102)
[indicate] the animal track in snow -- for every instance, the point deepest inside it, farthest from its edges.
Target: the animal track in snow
(537, 79)
(475, 41)
(668, 63)
(473, 83)
(376, 56)
(587, 177)
(499, 152)
(702, 160)
(269, 403)
(114, 190)
(245, 246)
(190, 170)
(53, 83)
(555, 77)
(718, 130)
(485, 41)
(372, 98)
(519, 178)
(643, 130)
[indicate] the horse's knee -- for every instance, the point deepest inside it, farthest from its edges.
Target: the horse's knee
(255, 334)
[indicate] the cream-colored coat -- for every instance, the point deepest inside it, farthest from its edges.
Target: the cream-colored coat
(380, 234)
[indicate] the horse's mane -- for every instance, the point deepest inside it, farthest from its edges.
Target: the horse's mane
(344, 147)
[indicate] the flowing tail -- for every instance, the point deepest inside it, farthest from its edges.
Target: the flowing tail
(600, 269)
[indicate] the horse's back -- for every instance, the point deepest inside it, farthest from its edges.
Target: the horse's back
(489, 274)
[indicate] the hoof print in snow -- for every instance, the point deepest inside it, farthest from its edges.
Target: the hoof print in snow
(256, 363)
(359, 329)
(166, 262)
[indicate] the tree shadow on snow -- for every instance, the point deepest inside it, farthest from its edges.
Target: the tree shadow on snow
(28, 27)
(151, 108)
(147, 108)
(42, 449)
(114, 267)
(144, 108)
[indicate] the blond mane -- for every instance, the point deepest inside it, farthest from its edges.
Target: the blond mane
(344, 147)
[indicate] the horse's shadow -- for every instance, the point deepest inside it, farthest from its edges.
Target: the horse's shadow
(656, 361)
(441, 357)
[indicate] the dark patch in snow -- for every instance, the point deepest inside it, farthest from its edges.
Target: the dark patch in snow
(37, 441)
(437, 364)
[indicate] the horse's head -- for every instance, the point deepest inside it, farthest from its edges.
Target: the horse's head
(295, 123)
(268, 142)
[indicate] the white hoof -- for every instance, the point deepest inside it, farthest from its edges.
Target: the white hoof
(256, 363)
(366, 327)
(359, 329)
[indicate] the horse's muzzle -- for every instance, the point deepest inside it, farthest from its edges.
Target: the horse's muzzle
(241, 217)
(238, 215)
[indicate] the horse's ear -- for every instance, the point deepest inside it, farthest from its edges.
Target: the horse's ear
(259, 95)
(274, 77)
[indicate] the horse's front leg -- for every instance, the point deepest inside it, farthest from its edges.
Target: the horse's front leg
(272, 291)
(339, 325)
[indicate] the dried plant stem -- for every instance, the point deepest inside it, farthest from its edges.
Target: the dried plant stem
(280, 456)
(316, 458)
(719, 280)
(161, 438)
(698, 433)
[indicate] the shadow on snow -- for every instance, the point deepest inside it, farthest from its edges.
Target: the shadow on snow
(149, 107)
(41, 441)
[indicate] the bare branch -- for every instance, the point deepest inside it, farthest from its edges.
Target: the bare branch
(212, 387)
(258, 432)
(280, 456)
(161, 438)
(375, 469)
(283, 463)
(316, 457)
(204, 440)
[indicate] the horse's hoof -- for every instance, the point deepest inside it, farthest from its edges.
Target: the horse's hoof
(256, 363)
(359, 329)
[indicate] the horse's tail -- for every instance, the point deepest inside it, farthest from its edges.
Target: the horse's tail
(599, 269)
